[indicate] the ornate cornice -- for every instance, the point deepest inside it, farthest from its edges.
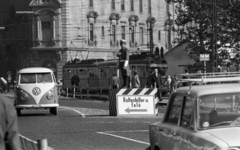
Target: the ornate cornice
(114, 16)
(134, 18)
(92, 14)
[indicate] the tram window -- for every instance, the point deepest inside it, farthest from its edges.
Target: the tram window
(111, 71)
(83, 73)
(104, 72)
(93, 73)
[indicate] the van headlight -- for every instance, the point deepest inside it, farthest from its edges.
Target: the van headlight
(50, 94)
(24, 95)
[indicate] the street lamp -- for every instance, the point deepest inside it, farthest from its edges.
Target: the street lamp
(2, 28)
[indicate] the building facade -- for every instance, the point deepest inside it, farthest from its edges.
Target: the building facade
(50, 33)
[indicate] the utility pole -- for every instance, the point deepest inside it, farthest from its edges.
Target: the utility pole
(214, 34)
(151, 28)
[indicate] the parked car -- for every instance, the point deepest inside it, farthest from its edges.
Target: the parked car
(201, 117)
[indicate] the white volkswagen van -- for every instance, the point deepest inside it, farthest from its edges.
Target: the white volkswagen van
(36, 88)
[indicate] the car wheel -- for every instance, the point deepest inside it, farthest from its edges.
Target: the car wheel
(18, 112)
(54, 111)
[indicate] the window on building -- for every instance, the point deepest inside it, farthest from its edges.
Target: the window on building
(149, 6)
(46, 30)
(132, 34)
(122, 5)
(90, 3)
(159, 35)
(140, 6)
(132, 5)
(45, 1)
(141, 36)
(113, 4)
(114, 33)
(123, 32)
(103, 35)
(91, 31)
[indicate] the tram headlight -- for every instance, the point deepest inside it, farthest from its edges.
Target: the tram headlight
(50, 94)
(24, 95)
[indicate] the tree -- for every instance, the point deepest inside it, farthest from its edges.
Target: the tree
(214, 24)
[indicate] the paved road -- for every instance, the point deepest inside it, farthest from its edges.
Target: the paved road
(86, 125)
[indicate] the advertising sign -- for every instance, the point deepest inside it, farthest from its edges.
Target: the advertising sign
(204, 57)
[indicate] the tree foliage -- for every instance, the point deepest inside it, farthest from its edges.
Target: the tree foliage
(225, 27)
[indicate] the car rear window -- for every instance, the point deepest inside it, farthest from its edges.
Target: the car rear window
(219, 110)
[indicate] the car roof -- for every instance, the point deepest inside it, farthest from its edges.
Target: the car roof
(210, 89)
(35, 70)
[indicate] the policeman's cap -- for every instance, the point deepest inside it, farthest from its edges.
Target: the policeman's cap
(123, 41)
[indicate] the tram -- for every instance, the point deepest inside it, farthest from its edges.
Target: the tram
(95, 73)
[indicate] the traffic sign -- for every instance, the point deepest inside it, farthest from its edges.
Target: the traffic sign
(135, 102)
(204, 57)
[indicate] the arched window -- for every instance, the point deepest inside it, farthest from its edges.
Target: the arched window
(159, 35)
(113, 4)
(91, 31)
(122, 5)
(132, 5)
(103, 32)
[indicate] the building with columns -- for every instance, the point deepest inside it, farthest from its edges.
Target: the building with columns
(50, 33)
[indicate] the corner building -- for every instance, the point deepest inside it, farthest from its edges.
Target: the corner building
(53, 32)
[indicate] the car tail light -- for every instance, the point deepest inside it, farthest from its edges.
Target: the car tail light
(24, 95)
(50, 94)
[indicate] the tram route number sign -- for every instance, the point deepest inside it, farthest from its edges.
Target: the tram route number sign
(136, 105)
(204, 57)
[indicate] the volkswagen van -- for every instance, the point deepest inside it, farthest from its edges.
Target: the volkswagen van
(36, 88)
(202, 116)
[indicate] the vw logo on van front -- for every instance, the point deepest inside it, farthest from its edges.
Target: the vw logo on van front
(36, 91)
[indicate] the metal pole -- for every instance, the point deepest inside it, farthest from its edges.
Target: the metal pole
(150, 28)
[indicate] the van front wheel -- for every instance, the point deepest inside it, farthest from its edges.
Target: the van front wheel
(54, 110)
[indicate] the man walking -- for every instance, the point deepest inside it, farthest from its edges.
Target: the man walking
(123, 55)
(115, 82)
(157, 82)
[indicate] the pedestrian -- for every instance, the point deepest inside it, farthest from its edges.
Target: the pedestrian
(149, 79)
(168, 81)
(135, 80)
(9, 138)
(4, 85)
(75, 80)
(115, 82)
(123, 56)
(157, 82)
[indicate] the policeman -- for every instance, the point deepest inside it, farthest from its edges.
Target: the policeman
(123, 55)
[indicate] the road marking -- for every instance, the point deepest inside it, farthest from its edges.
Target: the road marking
(77, 111)
(125, 138)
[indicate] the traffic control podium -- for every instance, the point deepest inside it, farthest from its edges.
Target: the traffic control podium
(133, 102)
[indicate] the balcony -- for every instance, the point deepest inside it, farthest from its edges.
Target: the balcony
(114, 44)
(46, 43)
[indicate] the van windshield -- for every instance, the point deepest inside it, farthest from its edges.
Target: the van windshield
(31, 78)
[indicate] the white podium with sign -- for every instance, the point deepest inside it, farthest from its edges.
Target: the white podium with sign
(137, 102)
